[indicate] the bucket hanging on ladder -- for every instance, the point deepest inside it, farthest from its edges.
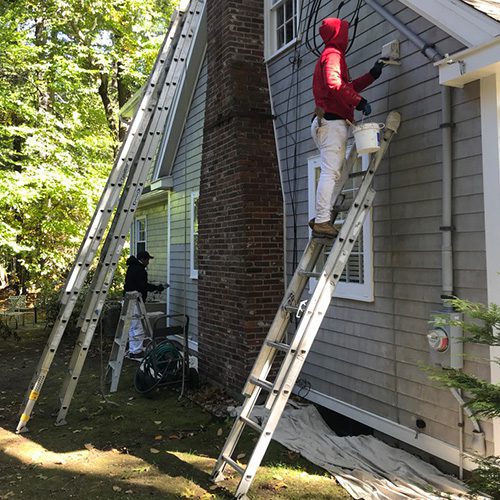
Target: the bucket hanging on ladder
(367, 137)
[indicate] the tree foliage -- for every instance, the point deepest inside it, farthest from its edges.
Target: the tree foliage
(66, 67)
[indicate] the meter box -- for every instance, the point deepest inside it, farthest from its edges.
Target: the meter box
(446, 346)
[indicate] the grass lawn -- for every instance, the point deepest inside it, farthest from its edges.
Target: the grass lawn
(125, 445)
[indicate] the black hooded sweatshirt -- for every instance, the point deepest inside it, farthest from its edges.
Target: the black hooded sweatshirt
(136, 279)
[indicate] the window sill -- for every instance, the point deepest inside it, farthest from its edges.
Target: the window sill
(292, 43)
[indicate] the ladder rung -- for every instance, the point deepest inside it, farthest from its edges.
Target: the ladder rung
(309, 274)
(361, 173)
(291, 309)
(342, 208)
(278, 345)
(238, 468)
(252, 424)
(264, 384)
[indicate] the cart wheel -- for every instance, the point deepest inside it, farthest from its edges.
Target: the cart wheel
(193, 379)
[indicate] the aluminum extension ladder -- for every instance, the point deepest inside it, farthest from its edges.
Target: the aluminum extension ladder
(295, 352)
(121, 195)
(132, 304)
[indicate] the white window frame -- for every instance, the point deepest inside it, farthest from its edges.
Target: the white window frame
(193, 271)
(271, 48)
(355, 291)
(142, 219)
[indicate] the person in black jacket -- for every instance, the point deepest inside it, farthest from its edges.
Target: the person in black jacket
(136, 280)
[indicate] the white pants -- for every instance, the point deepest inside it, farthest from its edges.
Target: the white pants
(136, 332)
(330, 139)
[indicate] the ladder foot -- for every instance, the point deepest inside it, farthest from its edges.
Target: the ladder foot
(60, 423)
(217, 477)
(22, 430)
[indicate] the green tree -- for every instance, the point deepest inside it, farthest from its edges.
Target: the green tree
(66, 67)
(482, 326)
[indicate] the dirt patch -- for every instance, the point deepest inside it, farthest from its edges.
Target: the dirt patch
(125, 445)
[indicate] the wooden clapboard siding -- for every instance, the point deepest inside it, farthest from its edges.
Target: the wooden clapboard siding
(369, 354)
(186, 179)
(156, 244)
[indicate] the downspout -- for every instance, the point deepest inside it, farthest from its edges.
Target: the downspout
(446, 126)
(271, 103)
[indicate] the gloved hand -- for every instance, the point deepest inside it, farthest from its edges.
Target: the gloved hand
(364, 107)
(376, 71)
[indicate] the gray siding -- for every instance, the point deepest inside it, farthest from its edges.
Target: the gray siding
(156, 244)
(368, 354)
(186, 179)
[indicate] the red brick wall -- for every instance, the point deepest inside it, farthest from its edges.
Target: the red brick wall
(240, 281)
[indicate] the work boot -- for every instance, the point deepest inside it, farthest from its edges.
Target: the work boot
(324, 229)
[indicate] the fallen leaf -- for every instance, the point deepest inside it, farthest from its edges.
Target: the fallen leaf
(213, 487)
(76, 431)
(154, 450)
(116, 488)
(173, 436)
(241, 455)
(128, 492)
(219, 432)
(157, 422)
(159, 437)
(280, 485)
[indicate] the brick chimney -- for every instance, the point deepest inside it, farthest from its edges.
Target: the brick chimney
(240, 253)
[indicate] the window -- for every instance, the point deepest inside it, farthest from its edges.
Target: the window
(194, 236)
(357, 279)
(140, 235)
(281, 24)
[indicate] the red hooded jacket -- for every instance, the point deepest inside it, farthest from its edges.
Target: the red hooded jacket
(332, 88)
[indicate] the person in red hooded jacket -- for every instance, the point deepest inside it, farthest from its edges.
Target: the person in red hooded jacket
(335, 96)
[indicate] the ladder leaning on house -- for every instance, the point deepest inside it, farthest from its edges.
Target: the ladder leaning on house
(121, 195)
(295, 352)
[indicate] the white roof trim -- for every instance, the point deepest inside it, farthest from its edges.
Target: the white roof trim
(458, 19)
(470, 64)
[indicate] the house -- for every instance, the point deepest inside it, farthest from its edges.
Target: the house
(226, 209)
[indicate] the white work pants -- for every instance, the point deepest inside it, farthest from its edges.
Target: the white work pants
(330, 139)
(136, 332)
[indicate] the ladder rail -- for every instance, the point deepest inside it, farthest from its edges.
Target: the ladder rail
(112, 251)
(99, 222)
(323, 293)
(277, 331)
(309, 325)
(132, 302)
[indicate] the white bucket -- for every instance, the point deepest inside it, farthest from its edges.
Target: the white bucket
(367, 137)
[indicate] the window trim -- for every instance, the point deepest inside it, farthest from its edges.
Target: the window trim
(135, 233)
(363, 292)
(193, 273)
(270, 49)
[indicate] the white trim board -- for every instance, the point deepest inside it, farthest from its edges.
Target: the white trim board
(468, 65)
(426, 443)
(459, 20)
(490, 136)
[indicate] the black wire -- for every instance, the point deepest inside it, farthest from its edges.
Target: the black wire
(355, 17)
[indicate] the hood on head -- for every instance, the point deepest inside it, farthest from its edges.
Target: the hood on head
(335, 33)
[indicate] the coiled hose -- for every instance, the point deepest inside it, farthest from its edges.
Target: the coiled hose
(161, 364)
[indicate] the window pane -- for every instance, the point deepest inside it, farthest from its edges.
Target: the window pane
(280, 17)
(289, 32)
(141, 246)
(281, 37)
